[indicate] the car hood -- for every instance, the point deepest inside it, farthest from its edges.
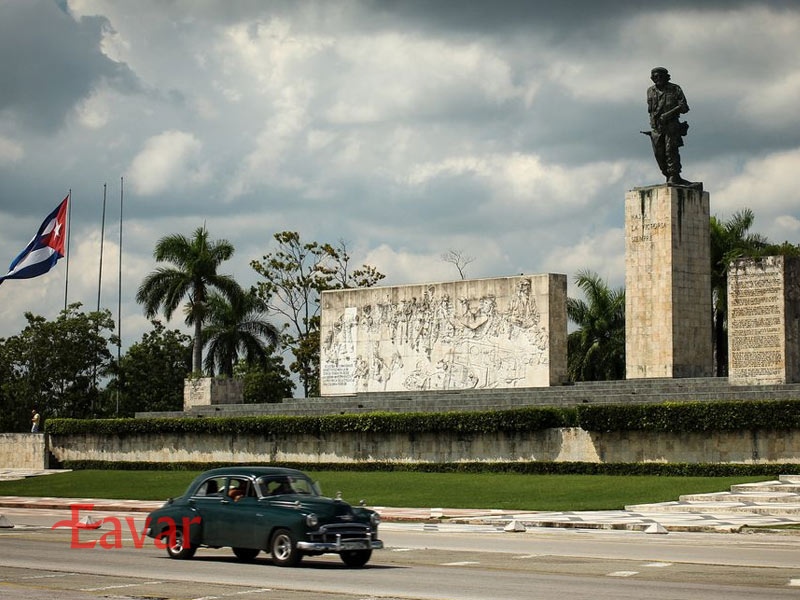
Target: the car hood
(323, 507)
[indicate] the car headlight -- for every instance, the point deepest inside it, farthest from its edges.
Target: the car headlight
(374, 519)
(312, 520)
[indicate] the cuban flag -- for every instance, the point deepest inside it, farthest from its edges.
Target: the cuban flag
(46, 247)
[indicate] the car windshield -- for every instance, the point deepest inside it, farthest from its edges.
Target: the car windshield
(278, 485)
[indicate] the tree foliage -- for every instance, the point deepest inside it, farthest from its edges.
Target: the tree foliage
(265, 381)
(236, 327)
(151, 372)
(596, 350)
(195, 261)
(294, 275)
(51, 366)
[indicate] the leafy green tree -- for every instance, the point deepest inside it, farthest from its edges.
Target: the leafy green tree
(265, 381)
(596, 350)
(236, 327)
(294, 276)
(730, 240)
(51, 365)
(195, 261)
(151, 372)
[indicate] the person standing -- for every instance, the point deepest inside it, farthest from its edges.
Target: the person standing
(35, 418)
(665, 104)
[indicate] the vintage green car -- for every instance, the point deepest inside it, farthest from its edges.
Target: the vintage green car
(250, 509)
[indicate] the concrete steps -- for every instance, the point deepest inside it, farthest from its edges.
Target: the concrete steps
(635, 391)
(778, 498)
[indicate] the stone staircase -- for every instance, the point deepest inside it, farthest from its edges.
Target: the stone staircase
(637, 391)
(776, 498)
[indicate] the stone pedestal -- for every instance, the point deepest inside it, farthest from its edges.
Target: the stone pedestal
(764, 320)
(506, 332)
(208, 391)
(667, 283)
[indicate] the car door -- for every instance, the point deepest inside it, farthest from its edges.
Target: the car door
(242, 515)
(209, 500)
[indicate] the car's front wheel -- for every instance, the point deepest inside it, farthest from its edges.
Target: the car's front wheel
(179, 547)
(245, 553)
(355, 558)
(284, 549)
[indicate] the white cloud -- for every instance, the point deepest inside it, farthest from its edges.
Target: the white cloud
(10, 151)
(167, 160)
(767, 185)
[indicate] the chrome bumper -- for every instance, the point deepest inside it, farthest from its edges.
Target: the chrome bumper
(339, 545)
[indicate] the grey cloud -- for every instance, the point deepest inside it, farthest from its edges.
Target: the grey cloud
(50, 62)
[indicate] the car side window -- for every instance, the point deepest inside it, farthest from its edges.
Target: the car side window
(238, 488)
(212, 487)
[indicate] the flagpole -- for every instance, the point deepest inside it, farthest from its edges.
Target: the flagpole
(99, 283)
(69, 231)
(119, 299)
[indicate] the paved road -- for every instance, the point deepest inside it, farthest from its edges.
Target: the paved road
(451, 563)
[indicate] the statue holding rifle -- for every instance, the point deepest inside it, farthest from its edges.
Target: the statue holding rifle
(665, 103)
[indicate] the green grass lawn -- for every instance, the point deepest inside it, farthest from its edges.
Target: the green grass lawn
(447, 490)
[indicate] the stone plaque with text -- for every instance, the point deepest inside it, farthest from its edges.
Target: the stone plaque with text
(763, 295)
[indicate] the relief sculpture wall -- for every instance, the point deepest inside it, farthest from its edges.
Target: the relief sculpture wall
(489, 333)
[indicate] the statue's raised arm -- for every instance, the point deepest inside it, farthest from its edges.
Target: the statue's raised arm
(665, 103)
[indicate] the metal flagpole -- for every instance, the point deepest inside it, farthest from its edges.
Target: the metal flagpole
(99, 283)
(69, 231)
(119, 300)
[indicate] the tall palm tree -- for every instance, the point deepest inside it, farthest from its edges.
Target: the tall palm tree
(596, 351)
(195, 261)
(729, 240)
(236, 327)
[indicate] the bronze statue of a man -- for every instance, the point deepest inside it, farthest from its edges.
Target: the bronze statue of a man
(665, 103)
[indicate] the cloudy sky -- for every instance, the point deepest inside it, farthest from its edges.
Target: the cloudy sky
(507, 130)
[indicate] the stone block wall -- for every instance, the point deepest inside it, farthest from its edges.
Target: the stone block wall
(764, 320)
(667, 283)
(564, 444)
(504, 332)
(23, 451)
(208, 391)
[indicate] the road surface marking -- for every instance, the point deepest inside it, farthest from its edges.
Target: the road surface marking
(460, 563)
(794, 582)
(526, 556)
(657, 564)
(622, 573)
(116, 587)
(401, 549)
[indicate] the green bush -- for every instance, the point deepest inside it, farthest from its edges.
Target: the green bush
(527, 468)
(679, 417)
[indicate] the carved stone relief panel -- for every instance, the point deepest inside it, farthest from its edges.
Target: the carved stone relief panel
(491, 333)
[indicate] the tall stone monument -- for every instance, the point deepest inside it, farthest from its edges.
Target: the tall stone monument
(505, 332)
(764, 320)
(667, 282)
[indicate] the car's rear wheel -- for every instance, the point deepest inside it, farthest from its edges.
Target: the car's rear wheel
(284, 549)
(245, 553)
(179, 547)
(355, 558)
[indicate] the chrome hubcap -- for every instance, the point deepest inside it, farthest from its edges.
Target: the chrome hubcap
(282, 547)
(178, 545)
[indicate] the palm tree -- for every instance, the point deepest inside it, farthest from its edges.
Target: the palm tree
(236, 326)
(729, 240)
(195, 263)
(596, 351)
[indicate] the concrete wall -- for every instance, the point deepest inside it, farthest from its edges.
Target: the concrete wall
(568, 444)
(22, 451)
(505, 332)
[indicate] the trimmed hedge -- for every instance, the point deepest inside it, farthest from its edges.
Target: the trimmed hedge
(676, 417)
(522, 419)
(679, 417)
(525, 468)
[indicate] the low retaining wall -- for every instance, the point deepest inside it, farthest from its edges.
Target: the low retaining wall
(560, 445)
(22, 451)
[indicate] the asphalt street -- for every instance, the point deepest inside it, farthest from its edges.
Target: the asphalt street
(456, 562)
